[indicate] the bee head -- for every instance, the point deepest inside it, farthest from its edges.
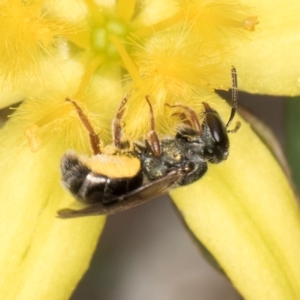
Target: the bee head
(214, 132)
(214, 136)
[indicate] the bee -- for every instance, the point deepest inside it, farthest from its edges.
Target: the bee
(133, 174)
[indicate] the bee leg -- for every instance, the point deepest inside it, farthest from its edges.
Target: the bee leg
(189, 115)
(117, 128)
(153, 142)
(94, 138)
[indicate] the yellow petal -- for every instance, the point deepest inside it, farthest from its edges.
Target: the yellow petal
(245, 213)
(9, 97)
(269, 64)
(41, 257)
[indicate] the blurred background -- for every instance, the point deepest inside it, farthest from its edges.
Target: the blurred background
(146, 253)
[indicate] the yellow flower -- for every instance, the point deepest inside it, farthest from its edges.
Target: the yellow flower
(176, 52)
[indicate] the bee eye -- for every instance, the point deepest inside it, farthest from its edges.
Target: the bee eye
(217, 129)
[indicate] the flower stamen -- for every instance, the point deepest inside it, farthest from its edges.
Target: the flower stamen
(128, 62)
(92, 66)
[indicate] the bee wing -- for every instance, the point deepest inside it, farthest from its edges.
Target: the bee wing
(136, 197)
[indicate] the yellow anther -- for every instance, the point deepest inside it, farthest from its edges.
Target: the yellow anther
(34, 141)
(250, 23)
(31, 132)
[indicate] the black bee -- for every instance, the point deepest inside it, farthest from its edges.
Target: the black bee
(133, 174)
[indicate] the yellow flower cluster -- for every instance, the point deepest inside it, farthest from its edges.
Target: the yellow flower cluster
(180, 55)
(97, 52)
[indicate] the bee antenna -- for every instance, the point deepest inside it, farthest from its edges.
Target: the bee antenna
(234, 95)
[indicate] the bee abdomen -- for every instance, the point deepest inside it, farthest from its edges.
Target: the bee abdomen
(73, 172)
(92, 187)
(98, 187)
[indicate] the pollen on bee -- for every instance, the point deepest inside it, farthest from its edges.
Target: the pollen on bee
(113, 166)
